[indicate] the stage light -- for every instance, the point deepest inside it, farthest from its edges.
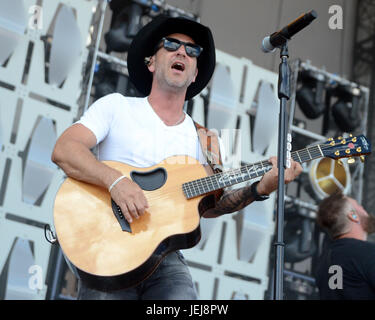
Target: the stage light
(104, 81)
(110, 78)
(299, 235)
(310, 95)
(346, 109)
(126, 22)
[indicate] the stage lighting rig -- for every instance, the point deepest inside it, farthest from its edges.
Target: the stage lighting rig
(346, 109)
(310, 95)
(127, 20)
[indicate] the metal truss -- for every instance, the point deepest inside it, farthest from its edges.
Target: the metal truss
(363, 71)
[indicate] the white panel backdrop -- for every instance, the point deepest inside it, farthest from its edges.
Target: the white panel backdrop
(17, 126)
(235, 248)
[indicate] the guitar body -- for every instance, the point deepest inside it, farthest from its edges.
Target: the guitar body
(104, 255)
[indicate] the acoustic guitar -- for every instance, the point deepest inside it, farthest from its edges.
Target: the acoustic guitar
(109, 253)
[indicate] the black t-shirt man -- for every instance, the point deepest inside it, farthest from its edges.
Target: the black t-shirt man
(356, 258)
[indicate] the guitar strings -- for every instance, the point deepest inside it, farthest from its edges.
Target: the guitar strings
(306, 154)
(202, 183)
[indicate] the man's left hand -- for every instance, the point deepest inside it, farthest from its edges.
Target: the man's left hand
(269, 182)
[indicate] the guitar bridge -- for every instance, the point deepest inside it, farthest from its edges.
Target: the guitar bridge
(125, 226)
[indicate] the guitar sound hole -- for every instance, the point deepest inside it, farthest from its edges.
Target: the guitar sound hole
(150, 180)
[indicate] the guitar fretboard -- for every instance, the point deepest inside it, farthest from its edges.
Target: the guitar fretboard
(234, 176)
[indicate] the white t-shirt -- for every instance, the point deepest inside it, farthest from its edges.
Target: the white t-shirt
(128, 130)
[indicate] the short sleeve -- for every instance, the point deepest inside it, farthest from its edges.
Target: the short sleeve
(99, 116)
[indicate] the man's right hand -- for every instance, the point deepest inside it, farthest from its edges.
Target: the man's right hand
(130, 198)
(72, 153)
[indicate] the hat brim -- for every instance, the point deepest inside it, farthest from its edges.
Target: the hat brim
(147, 38)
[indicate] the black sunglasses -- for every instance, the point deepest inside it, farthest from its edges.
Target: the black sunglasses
(171, 44)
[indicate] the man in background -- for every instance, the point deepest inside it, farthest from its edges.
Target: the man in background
(346, 268)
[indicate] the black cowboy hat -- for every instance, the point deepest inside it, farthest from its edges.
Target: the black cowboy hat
(144, 43)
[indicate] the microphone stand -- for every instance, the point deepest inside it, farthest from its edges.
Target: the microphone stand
(284, 95)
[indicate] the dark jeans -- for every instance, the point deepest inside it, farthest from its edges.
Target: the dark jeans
(170, 281)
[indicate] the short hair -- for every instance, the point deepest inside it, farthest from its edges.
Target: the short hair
(331, 214)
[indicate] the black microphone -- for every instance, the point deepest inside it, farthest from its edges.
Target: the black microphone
(278, 38)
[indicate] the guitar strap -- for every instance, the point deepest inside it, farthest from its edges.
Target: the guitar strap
(209, 142)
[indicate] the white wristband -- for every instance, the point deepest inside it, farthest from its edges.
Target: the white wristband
(115, 182)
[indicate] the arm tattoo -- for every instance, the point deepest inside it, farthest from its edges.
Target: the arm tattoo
(232, 201)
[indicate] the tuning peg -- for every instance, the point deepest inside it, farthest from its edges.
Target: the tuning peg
(362, 158)
(351, 160)
(340, 162)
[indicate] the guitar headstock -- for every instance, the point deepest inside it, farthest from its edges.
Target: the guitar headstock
(346, 148)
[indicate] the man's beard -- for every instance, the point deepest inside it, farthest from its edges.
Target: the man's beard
(179, 83)
(368, 223)
(175, 82)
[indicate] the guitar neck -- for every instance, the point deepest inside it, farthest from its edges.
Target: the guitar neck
(234, 176)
